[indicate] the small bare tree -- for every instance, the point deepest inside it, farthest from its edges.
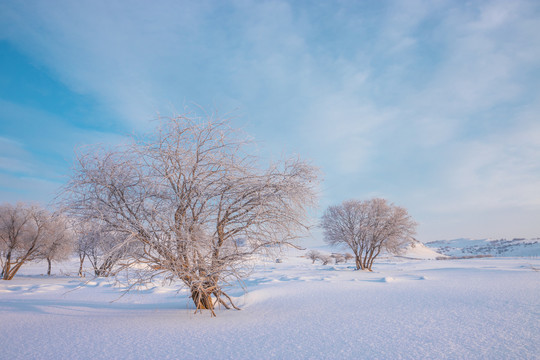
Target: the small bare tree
(28, 233)
(348, 256)
(60, 241)
(367, 227)
(313, 255)
(194, 201)
(85, 242)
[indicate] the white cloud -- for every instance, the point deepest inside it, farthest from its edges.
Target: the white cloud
(500, 171)
(425, 102)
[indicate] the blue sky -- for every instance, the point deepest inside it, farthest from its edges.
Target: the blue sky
(434, 105)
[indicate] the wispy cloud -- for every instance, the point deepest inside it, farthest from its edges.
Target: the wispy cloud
(428, 103)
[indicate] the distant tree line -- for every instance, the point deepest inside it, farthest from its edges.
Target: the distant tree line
(315, 255)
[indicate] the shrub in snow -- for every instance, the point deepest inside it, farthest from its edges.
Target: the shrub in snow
(313, 255)
(325, 259)
(338, 258)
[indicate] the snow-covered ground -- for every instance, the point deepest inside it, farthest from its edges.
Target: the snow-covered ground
(405, 309)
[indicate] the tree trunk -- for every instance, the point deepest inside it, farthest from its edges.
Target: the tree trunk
(359, 265)
(372, 259)
(81, 261)
(202, 298)
(5, 271)
(371, 263)
(367, 258)
(49, 267)
(7, 266)
(11, 272)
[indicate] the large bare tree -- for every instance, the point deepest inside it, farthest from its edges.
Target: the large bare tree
(367, 228)
(195, 201)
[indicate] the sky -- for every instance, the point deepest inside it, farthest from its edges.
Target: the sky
(433, 105)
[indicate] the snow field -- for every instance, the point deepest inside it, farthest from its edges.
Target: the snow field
(406, 309)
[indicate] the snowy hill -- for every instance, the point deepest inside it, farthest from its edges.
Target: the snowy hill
(500, 247)
(417, 250)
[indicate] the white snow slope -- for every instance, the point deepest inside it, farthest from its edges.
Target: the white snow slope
(493, 247)
(405, 309)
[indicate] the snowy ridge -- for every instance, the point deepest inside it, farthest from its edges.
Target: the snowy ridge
(494, 247)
